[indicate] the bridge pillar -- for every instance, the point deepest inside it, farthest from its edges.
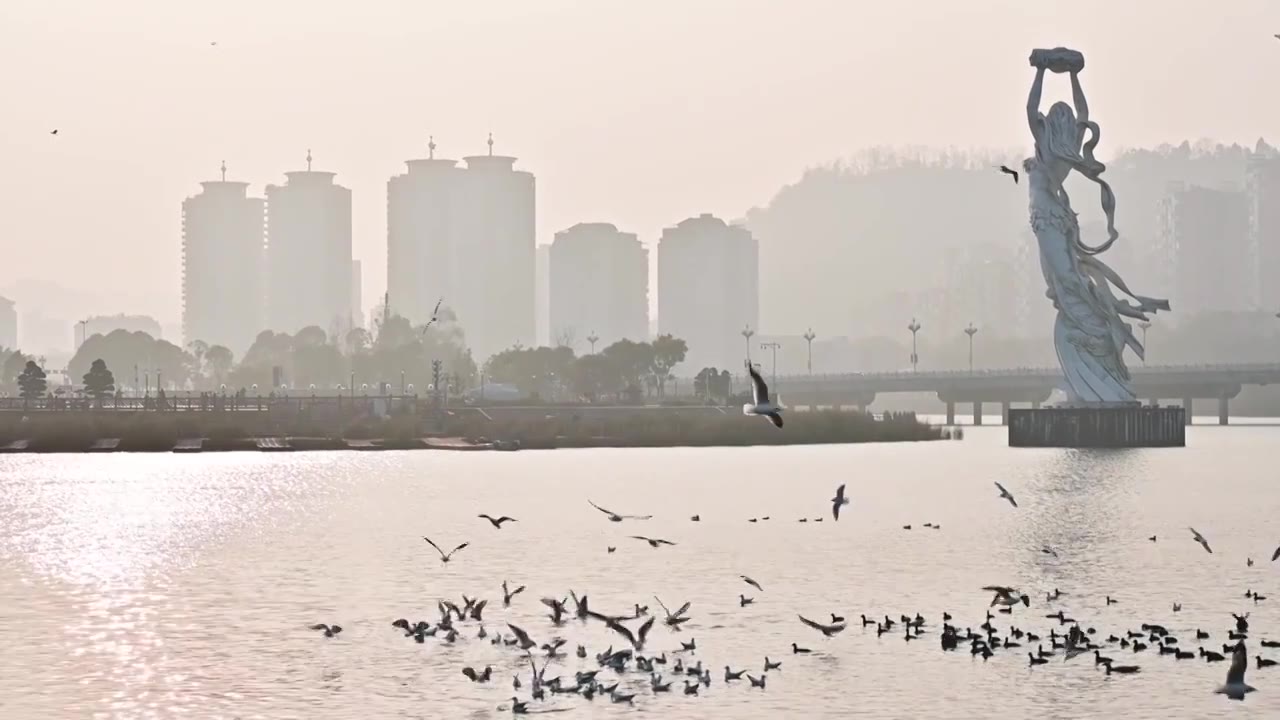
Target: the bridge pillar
(1186, 406)
(977, 413)
(1153, 402)
(1004, 413)
(951, 413)
(1223, 415)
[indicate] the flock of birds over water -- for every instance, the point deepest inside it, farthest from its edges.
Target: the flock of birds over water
(551, 675)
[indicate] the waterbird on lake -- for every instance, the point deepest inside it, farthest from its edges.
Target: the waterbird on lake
(760, 404)
(840, 500)
(751, 582)
(506, 596)
(827, 630)
(518, 708)
(1200, 539)
(1049, 551)
(730, 676)
(744, 601)
(557, 610)
(497, 524)
(797, 650)
(1004, 169)
(611, 549)
(445, 557)
(1264, 662)
(758, 682)
(696, 518)
(771, 665)
(522, 637)
(615, 517)
(1007, 495)
(653, 542)
(1235, 687)
(1122, 669)
(1152, 538)
(329, 630)
(478, 677)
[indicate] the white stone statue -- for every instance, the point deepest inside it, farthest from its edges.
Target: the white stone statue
(1089, 334)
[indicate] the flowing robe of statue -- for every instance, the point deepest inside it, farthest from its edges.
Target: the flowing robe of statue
(1089, 333)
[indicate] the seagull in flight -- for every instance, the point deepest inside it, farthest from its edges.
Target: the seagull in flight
(837, 502)
(333, 630)
(496, 523)
(637, 638)
(1007, 495)
(751, 582)
(54, 131)
(760, 404)
(1275, 554)
(615, 517)
(1235, 687)
(1007, 596)
(444, 556)
(827, 630)
(508, 594)
(653, 542)
(435, 315)
(677, 618)
(1005, 169)
(1049, 551)
(1200, 539)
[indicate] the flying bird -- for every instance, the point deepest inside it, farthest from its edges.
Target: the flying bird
(507, 595)
(838, 501)
(1200, 539)
(677, 618)
(1007, 596)
(329, 630)
(1049, 551)
(1007, 495)
(615, 517)
(54, 131)
(1275, 554)
(760, 404)
(637, 638)
(444, 556)
(498, 522)
(435, 314)
(751, 582)
(1235, 687)
(827, 630)
(653, 542)
(522, 637)
(1005, 169)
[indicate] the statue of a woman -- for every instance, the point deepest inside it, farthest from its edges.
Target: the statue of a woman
(1089, 334)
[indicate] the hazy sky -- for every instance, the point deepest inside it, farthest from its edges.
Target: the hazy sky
(636, 113)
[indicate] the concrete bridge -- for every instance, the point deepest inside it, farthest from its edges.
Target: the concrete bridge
(1185, 383)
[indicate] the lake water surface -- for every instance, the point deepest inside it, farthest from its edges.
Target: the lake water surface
(150, 585)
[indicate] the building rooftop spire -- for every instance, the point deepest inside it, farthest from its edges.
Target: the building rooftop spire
(490, 144)
(431, 147)
(224, 171)
(308, 159)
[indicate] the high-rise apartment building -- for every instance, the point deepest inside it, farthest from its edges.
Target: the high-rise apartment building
(8, 325)
(308, 279)
(222, 265)
(1263, 192)
(1206, 232)
(598, 286)
(709, 291)
(465, 234)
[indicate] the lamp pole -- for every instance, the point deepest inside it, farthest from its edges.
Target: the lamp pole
(774, 347)
(747, 332)
(971, 331)
(592, 338)
(808, 338)
(1146, 325)
(914, 327)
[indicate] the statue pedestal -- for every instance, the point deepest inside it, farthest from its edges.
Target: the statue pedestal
(1098, 426)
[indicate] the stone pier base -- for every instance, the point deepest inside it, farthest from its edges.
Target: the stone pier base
(1098, 427)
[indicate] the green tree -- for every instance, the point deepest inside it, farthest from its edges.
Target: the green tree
(12, 367)
(31, 383)
(591, 376)
(164, 361)
(668, 352)
(632, 362)
(533, 370)
(219, 360)
(99, 382)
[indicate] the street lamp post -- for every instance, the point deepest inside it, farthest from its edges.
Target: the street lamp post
(592, 338)
(808, 338)
(1145, 325)
(914, 327)
(747, 332)
(971, 331)
(774, 347)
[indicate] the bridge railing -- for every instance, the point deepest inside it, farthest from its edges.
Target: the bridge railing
(1044, 372)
